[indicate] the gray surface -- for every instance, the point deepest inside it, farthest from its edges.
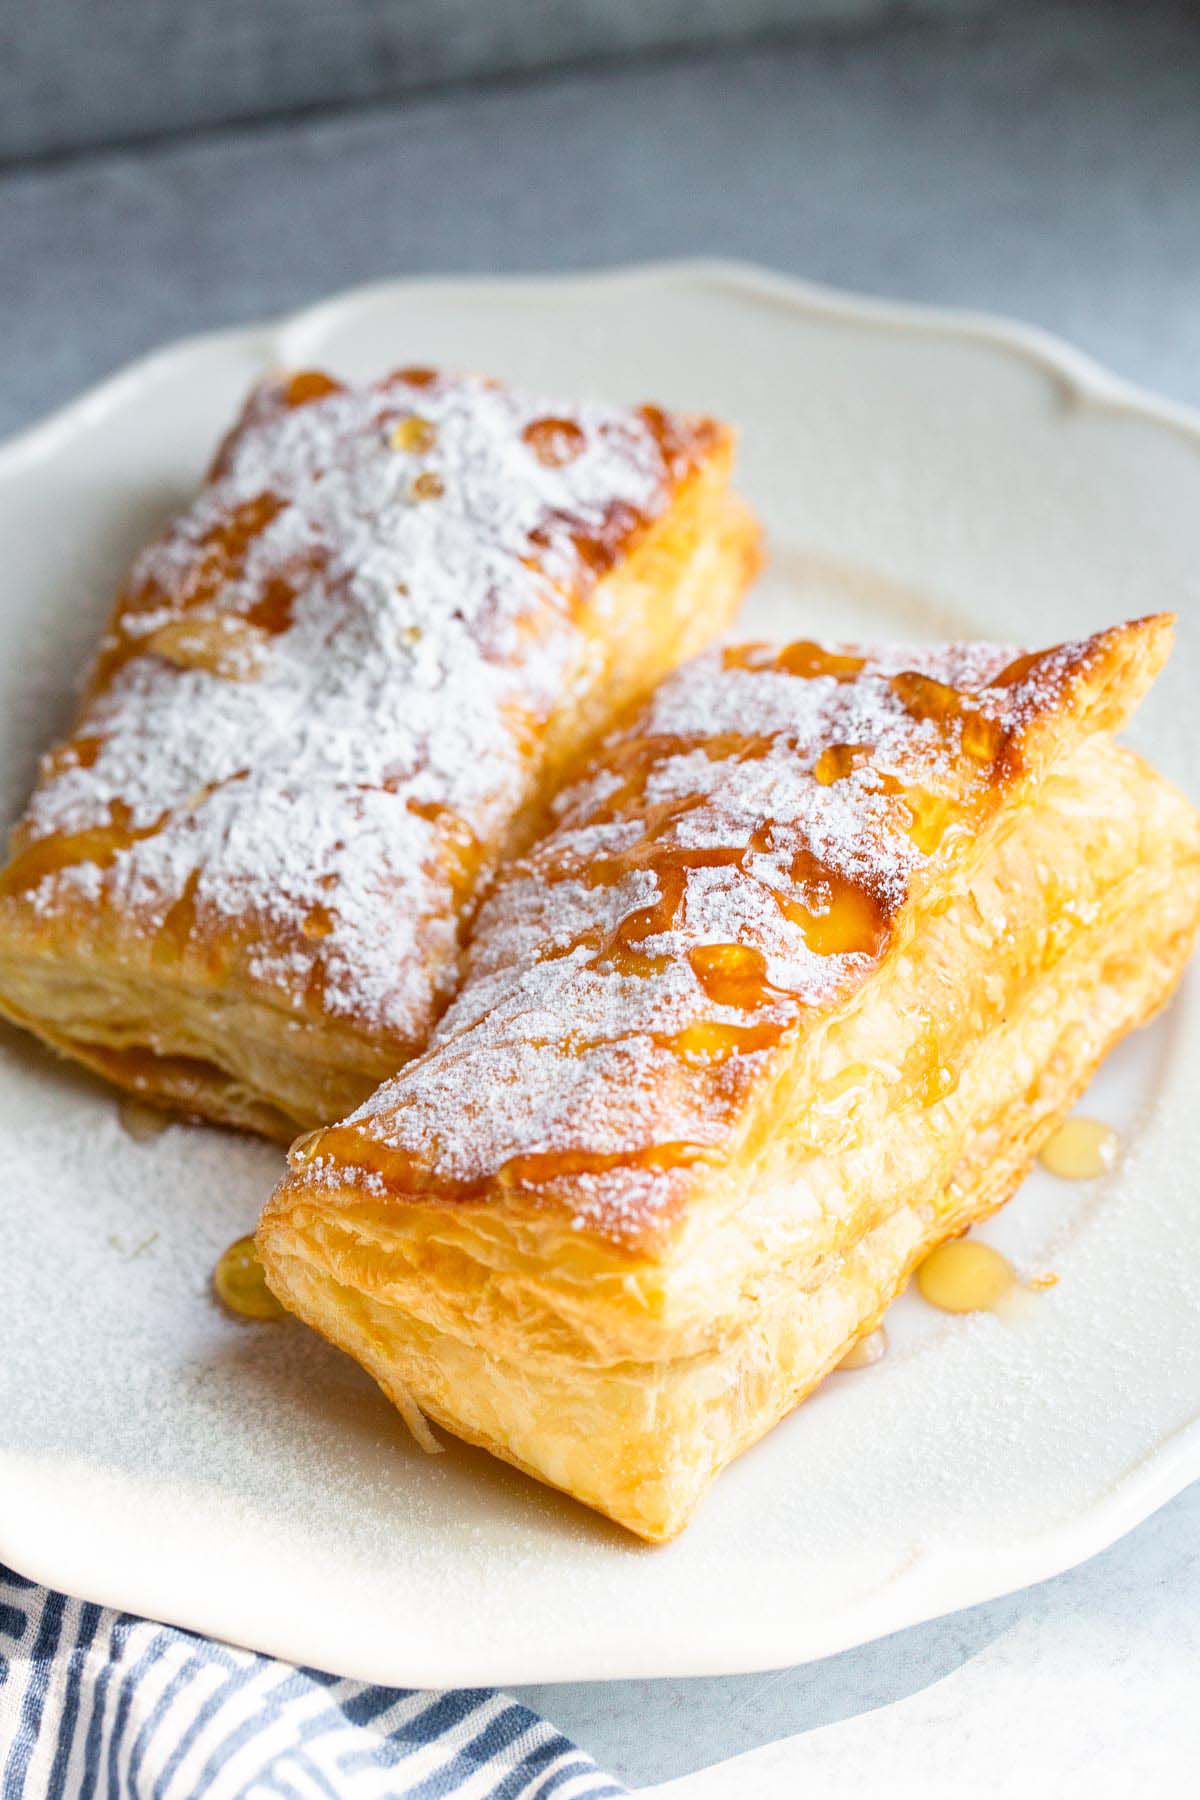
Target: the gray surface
(78, 72)
(650, 1731)
(1044, 166)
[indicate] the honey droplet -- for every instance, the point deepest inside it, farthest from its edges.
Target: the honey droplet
(318, 922)
(837, 917)
(808, 660)
(224, 646)
(868, 1350)
(304, 1149)
(925, 698)
(1015, 672)
(554, 442)
(141, 1122)
(837, 761)
(1080, 1150)
(240, 1284)
(732, 974)
(707, 1042)
(804, 658)
(981, 737)
(965, 1276)
(309, 384)
(426, 486)
(929, 818)
(938, 1082)
(414, 434)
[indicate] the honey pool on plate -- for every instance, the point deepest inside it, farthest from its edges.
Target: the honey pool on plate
(240, 1285)
(1080, 1150)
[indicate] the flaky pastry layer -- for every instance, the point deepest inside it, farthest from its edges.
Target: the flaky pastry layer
(333, 698)
(628, 1367)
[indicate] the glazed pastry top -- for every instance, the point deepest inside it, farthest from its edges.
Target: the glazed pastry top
(315, 700)
(739, 862)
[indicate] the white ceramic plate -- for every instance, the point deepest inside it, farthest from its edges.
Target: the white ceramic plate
(920, 474)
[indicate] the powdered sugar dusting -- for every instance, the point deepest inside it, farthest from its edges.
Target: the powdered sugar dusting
(309, 713)
(714, 883)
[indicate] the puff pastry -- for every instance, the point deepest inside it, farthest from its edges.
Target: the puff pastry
(806, 970)
(334, 694)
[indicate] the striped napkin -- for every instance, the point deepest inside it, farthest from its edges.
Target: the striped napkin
(98, 1705)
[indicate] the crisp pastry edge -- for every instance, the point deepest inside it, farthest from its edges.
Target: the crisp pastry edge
(219, 1066)
(410, 1359)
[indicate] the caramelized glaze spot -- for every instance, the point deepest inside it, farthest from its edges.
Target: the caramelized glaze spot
(175, 930)
(309, 384)
(531, 1170)
(981, 737)
(924, 698)
(459, 845)
(837, 916)
(555, 442)
(866, 1351)
(77, 753)
(414, 435)
(708, 1041)
(224, 646)
(318, 922)
(803, 658)
(98, 844)
(141, 1122)
(219, 563)
(1017, 670)
(837, 761)
(534, 1169)
(929, 817)
(733, 975)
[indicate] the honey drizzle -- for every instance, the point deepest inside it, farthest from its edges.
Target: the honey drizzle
(176, 928)
(98, 844)
(222, 550)
(224, 579)
(531, 1170)
(309, 384)
(803, 658)
(836, 915)
(553, 441)
(219, 563)
(981, 737)
(931, 783)
(461, 850)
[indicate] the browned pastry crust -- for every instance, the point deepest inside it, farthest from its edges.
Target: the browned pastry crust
(803, 975)
(333, 696)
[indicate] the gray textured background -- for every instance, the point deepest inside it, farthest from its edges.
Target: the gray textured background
(1043, 163)
(79, 72)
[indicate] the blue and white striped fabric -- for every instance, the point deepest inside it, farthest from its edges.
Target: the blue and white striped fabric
(98, 1705)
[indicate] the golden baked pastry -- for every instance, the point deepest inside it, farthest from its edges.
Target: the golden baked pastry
(334, 694)
(808, 967)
